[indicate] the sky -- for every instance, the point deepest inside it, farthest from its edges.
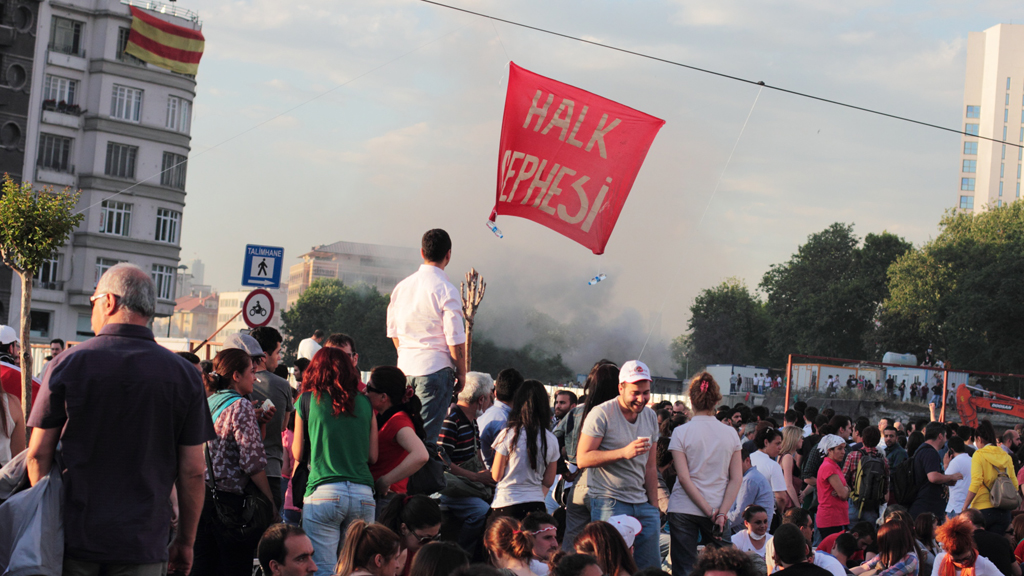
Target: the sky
(373, 121)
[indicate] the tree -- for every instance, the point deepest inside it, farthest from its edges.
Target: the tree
(681, 350)
(962, 292)
(359, 311)
(728, 325)
(33, 225)
(528, 360)
(825, 299)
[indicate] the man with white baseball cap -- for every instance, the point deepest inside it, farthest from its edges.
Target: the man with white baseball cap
(10, 363)
(614, 447)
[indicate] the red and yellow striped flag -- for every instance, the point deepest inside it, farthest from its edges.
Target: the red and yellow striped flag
(163, 44)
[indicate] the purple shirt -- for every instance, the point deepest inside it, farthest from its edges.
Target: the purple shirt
(125, 404)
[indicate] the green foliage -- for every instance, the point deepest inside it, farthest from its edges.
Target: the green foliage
(962, 292)
(528, 360)
(34, 224)
(824, 300)
(331, 306)
(728, 325)
(680, 349)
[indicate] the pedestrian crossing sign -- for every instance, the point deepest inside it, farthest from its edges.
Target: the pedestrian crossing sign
(262, 266)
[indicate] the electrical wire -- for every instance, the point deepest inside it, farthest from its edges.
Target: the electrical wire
(724, 75)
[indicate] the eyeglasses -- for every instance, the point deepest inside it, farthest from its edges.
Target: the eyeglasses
(426, 539)
(93, 299)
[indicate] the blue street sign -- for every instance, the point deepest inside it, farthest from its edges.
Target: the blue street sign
(262, 266)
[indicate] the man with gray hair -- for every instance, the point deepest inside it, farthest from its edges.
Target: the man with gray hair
(131, 418)
(460, 440)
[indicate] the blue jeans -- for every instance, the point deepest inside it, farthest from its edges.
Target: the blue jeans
(473, 513)
(870, 513)
(435, 393)
(326, 514)
(576, 517)
(687, 530)
(646, 547)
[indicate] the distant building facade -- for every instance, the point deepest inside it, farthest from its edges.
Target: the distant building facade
(17, 50)
(990, 173)
(102, 121)
(195, 317)
(353, 263)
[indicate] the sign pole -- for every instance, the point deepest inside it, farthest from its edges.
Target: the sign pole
(789, 371)
(210, 337)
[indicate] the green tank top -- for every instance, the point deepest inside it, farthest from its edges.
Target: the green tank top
(340, 445)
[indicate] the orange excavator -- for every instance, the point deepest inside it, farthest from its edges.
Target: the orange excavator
(967, 404)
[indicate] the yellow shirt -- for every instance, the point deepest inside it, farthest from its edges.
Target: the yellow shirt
(984, 465)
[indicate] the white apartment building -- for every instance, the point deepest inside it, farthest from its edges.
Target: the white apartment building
(353, 263)
(994, 108)
(118, 129)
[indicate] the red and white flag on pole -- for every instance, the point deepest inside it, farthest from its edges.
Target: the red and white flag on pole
(568, 158)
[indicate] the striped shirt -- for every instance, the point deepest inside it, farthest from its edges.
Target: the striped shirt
(458, 436)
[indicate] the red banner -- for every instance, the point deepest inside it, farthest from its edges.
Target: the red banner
(568, 158)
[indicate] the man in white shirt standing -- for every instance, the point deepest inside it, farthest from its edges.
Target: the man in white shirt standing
(957, 460)
(769, 443)
(425, 322)
(310, 346)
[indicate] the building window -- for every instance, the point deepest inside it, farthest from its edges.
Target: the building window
(1007, 99)
(974, 111)
(999, 203)
(967, 184)
(967, 202)
(122, 43)
(1000, 188)
(971, 129)
(1004, 133)
(1002, 168)
(1003, 157)
(39, 323)
(67, 36)
(1018, 189)
(121, 160)
(167, 222)
(54, 153)
(83, 329)
(126, 103)
(173, 173)
(164, 278)
(971, 148)
(102, 265)
(970, 166)
(60, 89)
(116, 217)
(48, 275)
(179, 113)
(1018, 171)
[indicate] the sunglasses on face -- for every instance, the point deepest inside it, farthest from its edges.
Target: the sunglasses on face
(426, 539)
(97, 297)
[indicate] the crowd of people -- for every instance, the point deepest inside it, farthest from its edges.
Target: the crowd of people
(427, 468)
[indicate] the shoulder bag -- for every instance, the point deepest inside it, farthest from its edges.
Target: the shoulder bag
(430, 478)
(242, 517)
(1002, 494)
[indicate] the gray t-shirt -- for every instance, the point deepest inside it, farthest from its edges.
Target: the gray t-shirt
(269, 385)
(622, 480)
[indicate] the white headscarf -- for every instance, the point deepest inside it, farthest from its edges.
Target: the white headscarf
(829, 442)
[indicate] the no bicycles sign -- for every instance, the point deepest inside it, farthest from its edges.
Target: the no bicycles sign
(258, 308)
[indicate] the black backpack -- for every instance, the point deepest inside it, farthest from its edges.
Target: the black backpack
(902, 483)
(869, 481)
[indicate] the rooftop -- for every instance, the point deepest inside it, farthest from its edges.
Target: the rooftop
(372, 250)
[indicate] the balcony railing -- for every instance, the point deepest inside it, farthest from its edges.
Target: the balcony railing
(162, 8)
(63, 107)
(62, 168)
(41, 285)
(69, 50)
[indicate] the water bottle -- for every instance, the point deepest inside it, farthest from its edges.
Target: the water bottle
(494, 228)
(596, 279)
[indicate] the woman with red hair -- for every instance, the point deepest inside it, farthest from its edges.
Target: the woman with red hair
(343, 443)
(960, 556)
